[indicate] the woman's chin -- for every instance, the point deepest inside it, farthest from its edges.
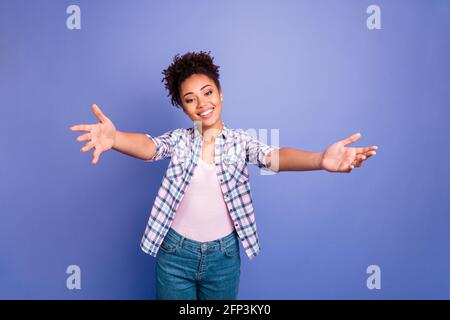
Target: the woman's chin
(209, 122)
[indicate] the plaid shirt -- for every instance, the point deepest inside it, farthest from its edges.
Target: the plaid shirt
(233, 149)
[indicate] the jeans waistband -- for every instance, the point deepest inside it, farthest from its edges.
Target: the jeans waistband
(221, 242)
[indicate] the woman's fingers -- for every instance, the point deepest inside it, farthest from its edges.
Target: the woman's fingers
(84, 137)
(362, 154)
(92, 132)
(98, 113)
(82, 127)
(348, 166)
(351, 139)
(356, 161)
(88, 146)
(359, 163)
(360, 158)
(367, 155)
(96, 156)
(366, 149)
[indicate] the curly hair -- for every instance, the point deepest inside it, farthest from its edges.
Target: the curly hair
(183, 67)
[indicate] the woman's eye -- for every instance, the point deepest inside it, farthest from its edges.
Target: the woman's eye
(209, 92)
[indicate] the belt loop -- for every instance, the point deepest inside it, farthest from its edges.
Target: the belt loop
(222, 247)
(180, 243)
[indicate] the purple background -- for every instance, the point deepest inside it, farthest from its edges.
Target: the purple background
(311, 69)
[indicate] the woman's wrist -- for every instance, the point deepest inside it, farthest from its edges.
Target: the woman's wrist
(320, 160)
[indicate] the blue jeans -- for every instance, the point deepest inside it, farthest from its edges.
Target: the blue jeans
(189, 270)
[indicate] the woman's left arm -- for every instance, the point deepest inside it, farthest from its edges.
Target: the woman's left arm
(336, 158)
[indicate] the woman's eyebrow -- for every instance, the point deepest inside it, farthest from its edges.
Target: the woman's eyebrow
(200, 90)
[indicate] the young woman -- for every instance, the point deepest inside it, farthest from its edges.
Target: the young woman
(203, 208)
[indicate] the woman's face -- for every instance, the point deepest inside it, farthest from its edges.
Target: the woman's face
(202, 101)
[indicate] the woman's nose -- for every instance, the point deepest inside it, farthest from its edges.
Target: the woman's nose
(202, 102)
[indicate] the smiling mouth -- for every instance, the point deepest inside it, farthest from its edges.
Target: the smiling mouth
(206, 113)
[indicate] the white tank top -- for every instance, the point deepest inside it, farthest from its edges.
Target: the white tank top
(202, 214)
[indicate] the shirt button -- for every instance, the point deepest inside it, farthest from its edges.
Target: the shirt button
(204, 247)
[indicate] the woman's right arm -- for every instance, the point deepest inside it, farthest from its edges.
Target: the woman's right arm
(103, 136)
(137, 145)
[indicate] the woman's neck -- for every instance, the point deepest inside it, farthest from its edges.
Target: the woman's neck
(210, 133)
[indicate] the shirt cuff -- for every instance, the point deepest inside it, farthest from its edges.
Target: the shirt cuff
(157, 146)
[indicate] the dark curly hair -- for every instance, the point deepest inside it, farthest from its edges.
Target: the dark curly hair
(183, 67)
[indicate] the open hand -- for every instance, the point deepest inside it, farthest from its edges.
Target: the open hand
(101, 136)
(340, 158)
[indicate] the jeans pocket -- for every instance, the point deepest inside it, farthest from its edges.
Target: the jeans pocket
(231, 249)
(168, 246)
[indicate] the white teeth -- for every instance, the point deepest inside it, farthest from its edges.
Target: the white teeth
(206, 112)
